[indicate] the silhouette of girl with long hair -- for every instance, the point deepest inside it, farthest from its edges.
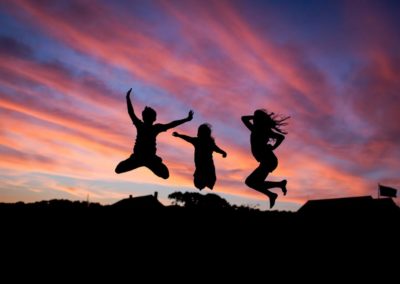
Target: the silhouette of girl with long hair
(204, 146)
(265, 128)
(144, 151)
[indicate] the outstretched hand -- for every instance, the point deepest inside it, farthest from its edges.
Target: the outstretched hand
(224, 155)
(175, 134)
(129, 92)
(190, 115)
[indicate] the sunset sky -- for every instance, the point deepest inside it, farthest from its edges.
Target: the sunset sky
(65, 66)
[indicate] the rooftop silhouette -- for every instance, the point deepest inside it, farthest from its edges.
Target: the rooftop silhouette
(349, 206)
(146, 202)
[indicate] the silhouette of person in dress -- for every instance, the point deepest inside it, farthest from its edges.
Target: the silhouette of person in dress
(144, 151)
(265, 129)
(204, 146)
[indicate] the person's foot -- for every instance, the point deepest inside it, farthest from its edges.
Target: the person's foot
(272, 198)
(284, 190)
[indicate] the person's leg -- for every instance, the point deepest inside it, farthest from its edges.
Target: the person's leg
(211, 180)
(256, 180)
(279, 184)
(158, 168)
(257, 177)
(199, 182)
(127, 165)
(283, 186)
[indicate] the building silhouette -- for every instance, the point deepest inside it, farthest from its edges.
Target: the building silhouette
(360, 206)
(145, 202)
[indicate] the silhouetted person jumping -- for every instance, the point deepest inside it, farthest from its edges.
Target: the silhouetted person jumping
(204, 146)
(144, 151)
(265, 127)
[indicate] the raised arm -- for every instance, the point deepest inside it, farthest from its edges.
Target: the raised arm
(278, 139)
(131, 112)
(219, 150)
(246, 120)
(175, 123)
(184, 137)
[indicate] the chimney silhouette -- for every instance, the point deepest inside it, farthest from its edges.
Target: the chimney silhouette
(130, 196)
(155, 194)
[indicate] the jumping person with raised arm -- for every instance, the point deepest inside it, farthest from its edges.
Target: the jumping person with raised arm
(204, 146)
(144, 151)
(265, 127)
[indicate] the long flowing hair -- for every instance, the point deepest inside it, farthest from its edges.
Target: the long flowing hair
(271, 120)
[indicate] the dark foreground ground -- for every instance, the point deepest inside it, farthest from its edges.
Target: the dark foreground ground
(203, 225)
(251, 242)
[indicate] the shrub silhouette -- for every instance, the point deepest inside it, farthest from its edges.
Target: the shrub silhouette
(199, 201)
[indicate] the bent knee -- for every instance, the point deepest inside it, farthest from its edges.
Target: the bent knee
(250, 182)
(164, 175)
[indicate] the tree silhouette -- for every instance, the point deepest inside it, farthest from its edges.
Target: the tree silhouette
(199, 201)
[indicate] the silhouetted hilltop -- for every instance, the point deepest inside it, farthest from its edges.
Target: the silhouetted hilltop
(198, 224)
(54, 204)
(205, 212)
(193, 201)
(190, 211)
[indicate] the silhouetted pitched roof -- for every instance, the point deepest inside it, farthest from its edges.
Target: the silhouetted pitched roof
(139, 202)
(360, 204)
